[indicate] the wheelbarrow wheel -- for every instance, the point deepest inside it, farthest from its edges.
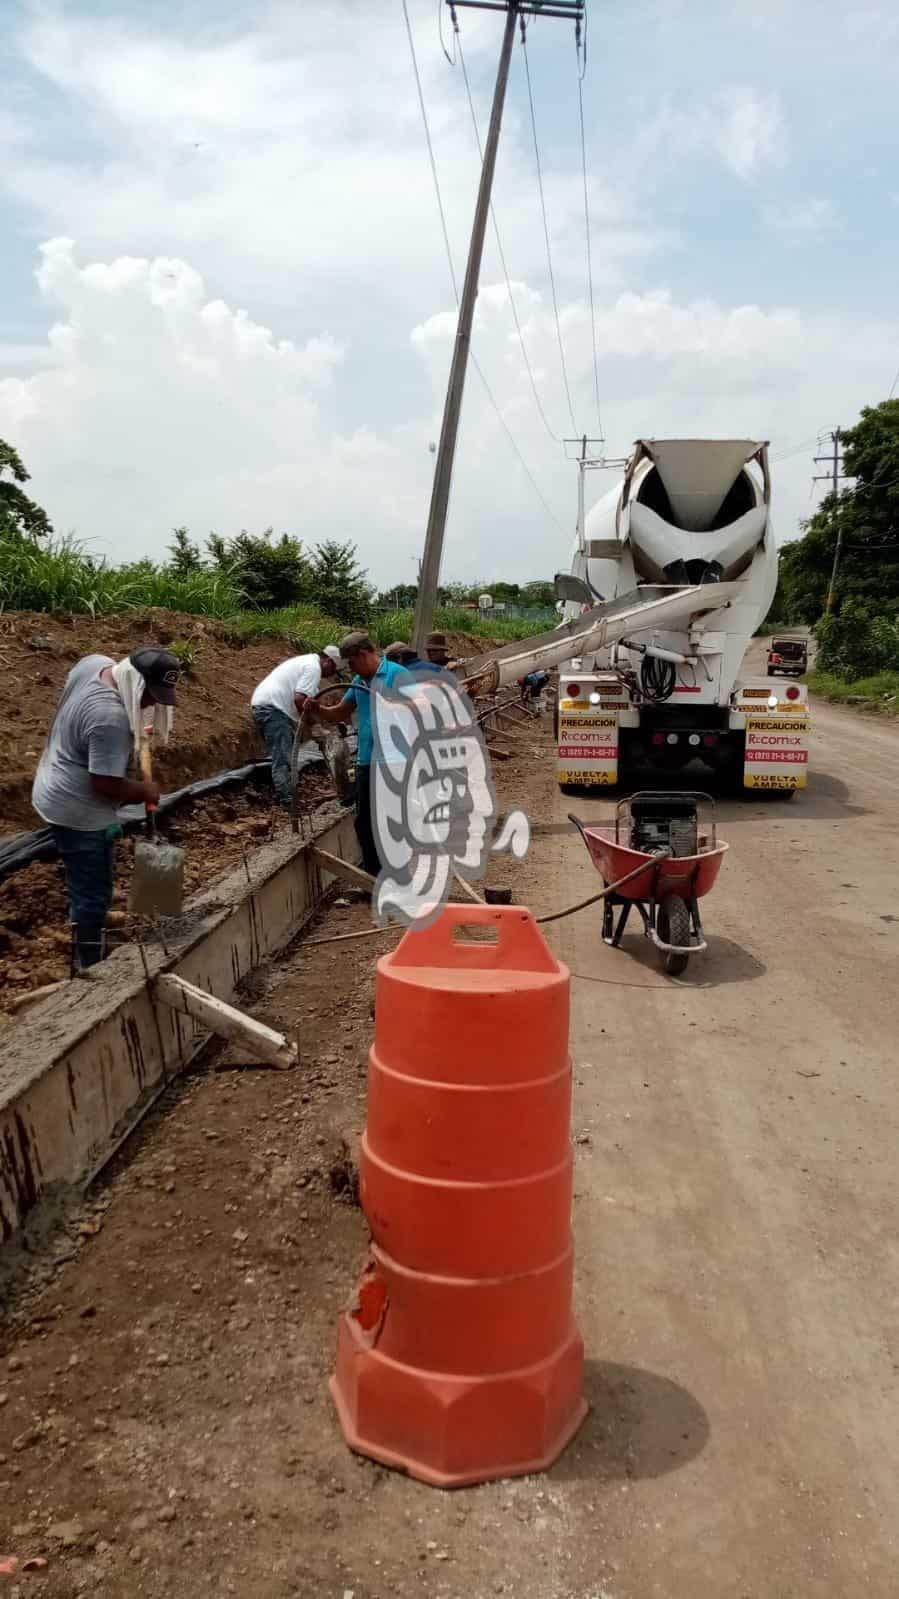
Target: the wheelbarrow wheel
(673, 927)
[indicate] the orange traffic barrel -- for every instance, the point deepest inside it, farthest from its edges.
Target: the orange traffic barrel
(459, 1359)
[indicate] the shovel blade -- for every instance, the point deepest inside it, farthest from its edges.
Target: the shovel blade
(157, 883)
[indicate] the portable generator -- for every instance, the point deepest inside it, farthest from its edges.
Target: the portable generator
(664, 821)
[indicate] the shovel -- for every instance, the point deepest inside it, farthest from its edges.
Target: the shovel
(157, 884)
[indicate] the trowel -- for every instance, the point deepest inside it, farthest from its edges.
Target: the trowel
(157, 883)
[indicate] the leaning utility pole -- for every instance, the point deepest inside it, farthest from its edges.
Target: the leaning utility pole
(446, 450)
(836, 472)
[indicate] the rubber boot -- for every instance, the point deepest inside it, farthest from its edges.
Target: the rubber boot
(90, 943)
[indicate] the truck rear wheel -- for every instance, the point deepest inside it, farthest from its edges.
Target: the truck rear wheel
(673, 927)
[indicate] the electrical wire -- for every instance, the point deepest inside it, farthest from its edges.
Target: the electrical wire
(449, 256)
(893, 385)
(549, 257)
(499, 245)
(431, 157)
(582, 70)
(795, 449)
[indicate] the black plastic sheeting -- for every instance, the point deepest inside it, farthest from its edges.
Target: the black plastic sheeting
(24, 848)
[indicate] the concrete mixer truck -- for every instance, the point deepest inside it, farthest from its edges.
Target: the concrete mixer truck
(673, 571)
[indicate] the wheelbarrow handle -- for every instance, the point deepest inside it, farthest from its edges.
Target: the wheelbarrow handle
(578, 824)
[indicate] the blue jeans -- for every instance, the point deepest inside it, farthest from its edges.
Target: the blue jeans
(278, 732)
(88, 861)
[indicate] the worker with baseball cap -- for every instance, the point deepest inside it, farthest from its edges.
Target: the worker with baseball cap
(277, 705)
(371, 671)
(105, 709)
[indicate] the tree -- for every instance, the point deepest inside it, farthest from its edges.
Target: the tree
(400, 598)
(20, 517)
(337, 584)
(867, 515)
(538, 593)
(504, 593)
(270, 573)
(184, 556)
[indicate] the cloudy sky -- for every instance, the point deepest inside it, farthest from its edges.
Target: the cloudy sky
(225, 300)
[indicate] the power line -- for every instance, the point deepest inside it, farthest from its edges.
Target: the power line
(582, 69)
(795, 449)
(549, 257)
(893, 386)
(556, 438)
(428, 140)
(452, 271)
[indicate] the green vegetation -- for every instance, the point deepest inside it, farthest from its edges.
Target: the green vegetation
(878, 693)
(264, 586)
(20, 517)
(58, 575)
(858, 639)
(867, 515)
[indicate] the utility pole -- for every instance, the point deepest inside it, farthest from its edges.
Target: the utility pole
(584, 462)
(835, 461)
(446, 450)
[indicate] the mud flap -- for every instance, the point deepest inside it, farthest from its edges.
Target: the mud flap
(776, 751)
(588, 746)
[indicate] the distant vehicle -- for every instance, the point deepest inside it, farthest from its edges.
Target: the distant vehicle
(789, 656)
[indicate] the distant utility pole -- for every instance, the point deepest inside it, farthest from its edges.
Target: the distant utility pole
(446, 450)
(584, 463)
(835, 461)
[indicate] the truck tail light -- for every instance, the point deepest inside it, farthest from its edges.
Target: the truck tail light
(658, 738)
(792, 692)
(709, 739)
(573, 691)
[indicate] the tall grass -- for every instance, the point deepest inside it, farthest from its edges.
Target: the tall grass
(57, 575)
(877, 693)
(390, 625)
(301, 625)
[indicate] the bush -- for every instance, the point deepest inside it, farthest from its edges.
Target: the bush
(879, 693)
(858, 643)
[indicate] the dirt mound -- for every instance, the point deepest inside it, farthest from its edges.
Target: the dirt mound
(212, 731)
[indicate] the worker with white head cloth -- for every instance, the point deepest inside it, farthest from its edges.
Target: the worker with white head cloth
(105, 710)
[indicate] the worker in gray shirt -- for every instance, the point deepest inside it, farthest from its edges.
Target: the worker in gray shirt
(82, 779)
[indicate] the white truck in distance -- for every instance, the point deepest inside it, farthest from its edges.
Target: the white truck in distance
(690, 524)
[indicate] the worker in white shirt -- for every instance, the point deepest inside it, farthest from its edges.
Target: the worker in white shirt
(277, 705)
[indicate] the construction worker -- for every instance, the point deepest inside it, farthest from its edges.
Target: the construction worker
(371, 670)
(436, 655)
(403, 654)
(277, 706)
(81, 777)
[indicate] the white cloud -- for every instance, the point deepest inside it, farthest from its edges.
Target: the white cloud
(163, 406)
(290, 155)
(272, 157)
(802, 220)
(741, 127)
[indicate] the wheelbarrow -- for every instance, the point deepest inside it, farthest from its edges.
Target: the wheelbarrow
(661, 857)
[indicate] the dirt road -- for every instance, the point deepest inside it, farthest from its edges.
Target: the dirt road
(737, 1206)
(164, 1424)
